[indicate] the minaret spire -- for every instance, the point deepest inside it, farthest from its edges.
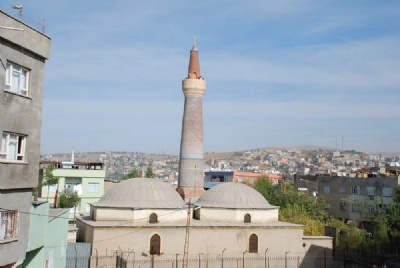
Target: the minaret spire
(194, 64)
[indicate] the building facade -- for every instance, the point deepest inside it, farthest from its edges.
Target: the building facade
(354, 198)
(144, 217)
(23, 52)
(213, 178)
(47, 243)
(86, 179)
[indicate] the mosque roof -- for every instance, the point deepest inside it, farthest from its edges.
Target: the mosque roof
(141, 193)
(233, 195)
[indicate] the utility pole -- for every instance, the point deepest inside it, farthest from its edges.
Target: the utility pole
(186, 249)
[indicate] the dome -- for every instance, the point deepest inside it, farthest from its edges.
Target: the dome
(233, 195)
(141, 193)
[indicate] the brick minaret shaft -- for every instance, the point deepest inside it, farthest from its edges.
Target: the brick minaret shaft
(191, 175)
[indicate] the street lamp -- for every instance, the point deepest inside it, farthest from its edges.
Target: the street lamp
(200, 259)
(265, 257)
(20, 8)
(243, 257)
(223, 258)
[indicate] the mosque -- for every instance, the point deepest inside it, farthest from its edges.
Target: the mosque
(231, 222)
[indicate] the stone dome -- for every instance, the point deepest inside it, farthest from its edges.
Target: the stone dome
(141, 193)
(233, 195)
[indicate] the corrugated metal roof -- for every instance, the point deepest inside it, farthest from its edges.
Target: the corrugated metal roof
(78, 255)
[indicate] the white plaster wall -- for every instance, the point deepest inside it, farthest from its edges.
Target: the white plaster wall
(273, 242)
(237, 215)
(139, 216)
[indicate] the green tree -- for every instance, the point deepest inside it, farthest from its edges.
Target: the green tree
(133, 174)
(294, 206)
(149, 172)
(68, 199)
(49, 178)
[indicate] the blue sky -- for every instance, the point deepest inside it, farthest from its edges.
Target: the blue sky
(279, 73)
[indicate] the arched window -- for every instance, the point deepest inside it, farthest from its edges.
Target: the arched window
(155, 244)
(153, 218)
(253, 244)
(247, 218)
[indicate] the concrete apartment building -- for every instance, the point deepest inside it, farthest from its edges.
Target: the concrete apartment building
(213, 178)
(23, 52)
(85, 178)
(353, 198)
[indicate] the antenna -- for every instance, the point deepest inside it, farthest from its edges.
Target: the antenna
(342, 143)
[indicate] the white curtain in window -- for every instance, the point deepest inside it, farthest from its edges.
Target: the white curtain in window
(8, 74)
(2, 226)
(15, 80)
(3, 143)
(12, 147)
(78, 189)
(23, 79)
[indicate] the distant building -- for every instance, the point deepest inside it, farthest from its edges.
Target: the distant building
(353, 198)
(85, 178)
(23, 52)
(213, 178)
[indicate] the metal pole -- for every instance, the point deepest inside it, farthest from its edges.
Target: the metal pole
(222, 263)
(243, 257)
(286, 258)
(176, 260)
(200, 259)
(265, 258)
(97, 258)
(76, 257)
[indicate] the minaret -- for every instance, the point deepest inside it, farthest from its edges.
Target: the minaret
(191, 159)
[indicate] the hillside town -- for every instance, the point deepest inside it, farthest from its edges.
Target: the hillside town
(305, 207)
(286, 162)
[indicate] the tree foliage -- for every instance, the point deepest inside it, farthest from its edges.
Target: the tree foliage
(48, 176)
(68, 199)
(294, 206)
(133, 174)
(149, 172)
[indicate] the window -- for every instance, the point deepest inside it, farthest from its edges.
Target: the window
(327, 190)
(343, 206)
(12, 146)
(247, 218)
(53, 187)
(74, 186)
(153, 218)
(370, 190)
(355, 189)
(342, 190)
(17, 79)
(355, 208)
(387, 191)
(155, 244)
(382, 207)
(8, 225)
(253, 243)
(371, 208)
(93, 187)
